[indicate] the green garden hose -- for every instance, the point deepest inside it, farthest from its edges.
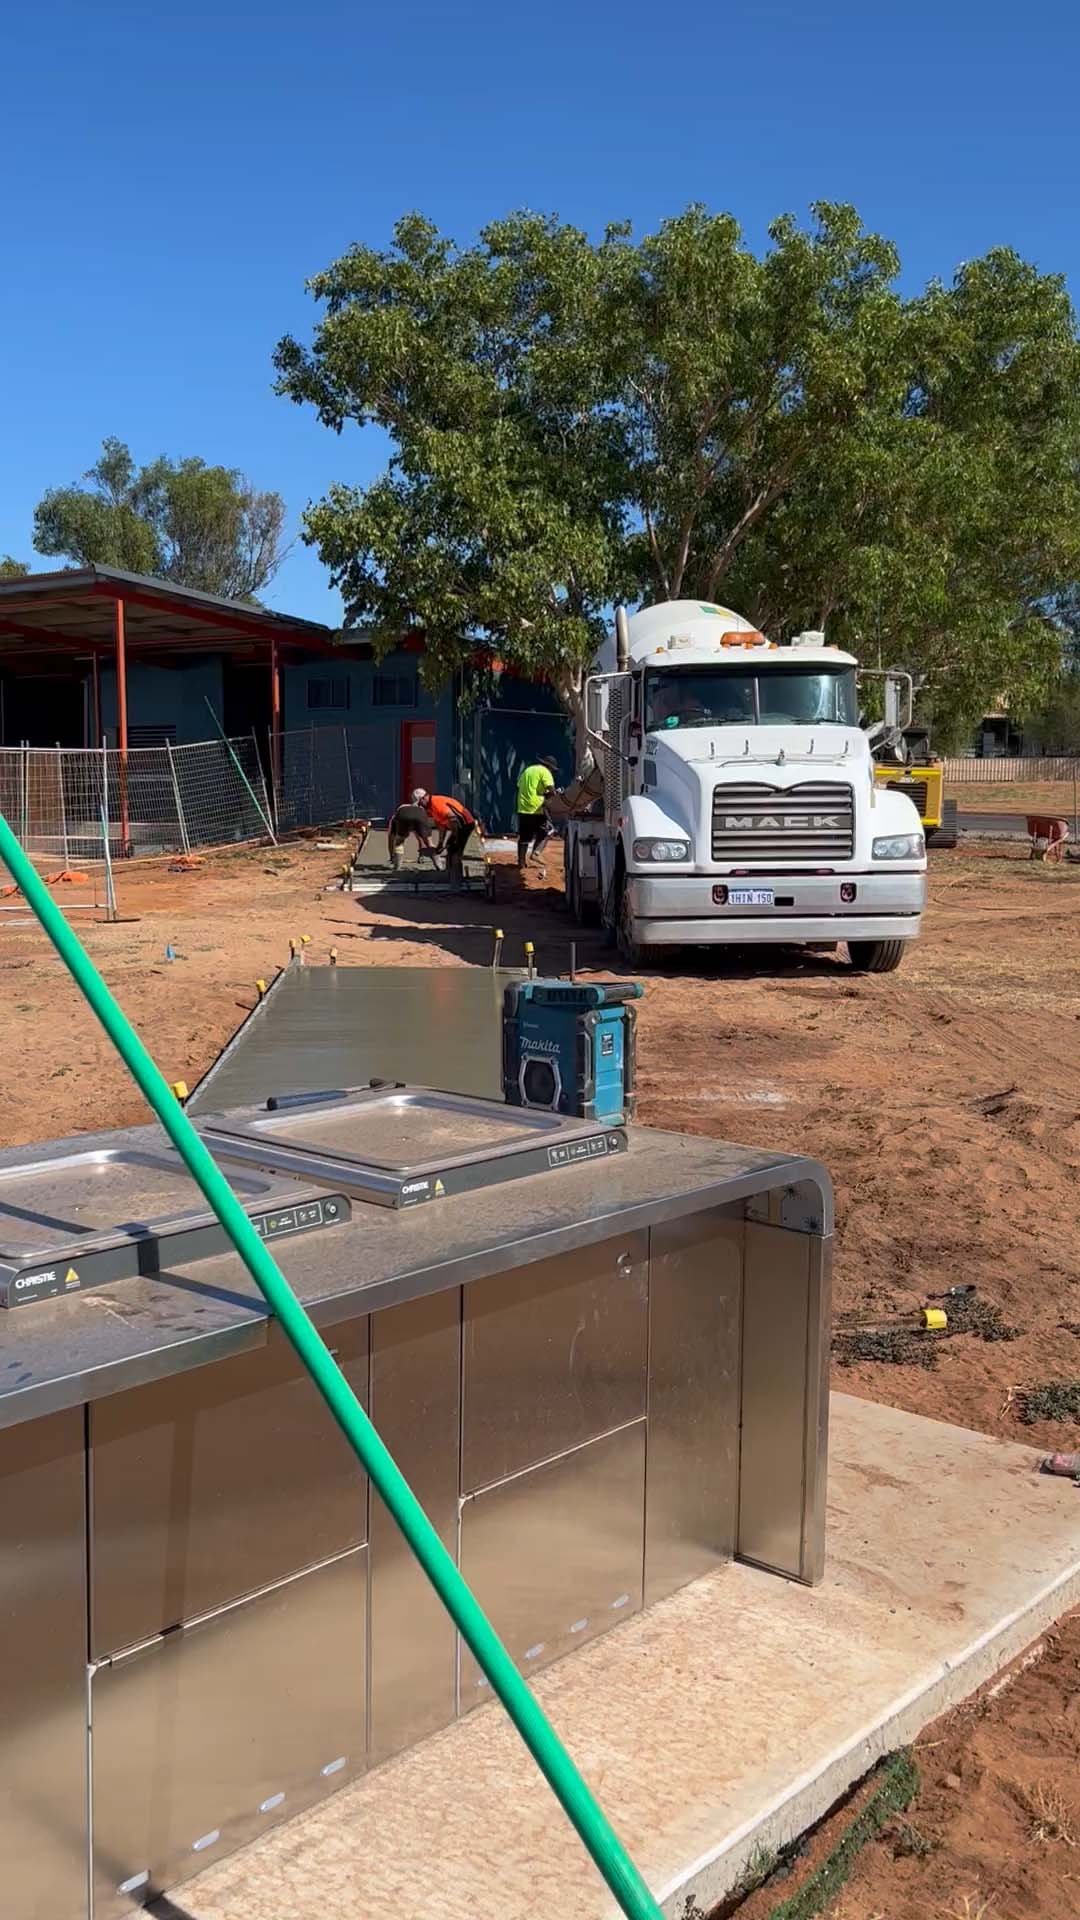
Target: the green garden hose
(551, 1757)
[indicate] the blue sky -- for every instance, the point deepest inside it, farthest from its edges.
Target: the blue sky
(173, 176)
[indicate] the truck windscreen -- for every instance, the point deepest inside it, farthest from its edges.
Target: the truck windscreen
(729, 697)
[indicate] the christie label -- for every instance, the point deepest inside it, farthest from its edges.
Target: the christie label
(27, 1281)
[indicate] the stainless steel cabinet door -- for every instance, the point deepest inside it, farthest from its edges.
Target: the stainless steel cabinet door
(416, 1406)
(554, 1556)
(43, 1838)
(785, 1398)
(213, 1484)
(695, 1307)
(554, 1356)
(203, 1740)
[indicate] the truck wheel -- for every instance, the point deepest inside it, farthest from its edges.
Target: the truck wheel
(629, 948)
(948, 833)
(875, 956)
(586, 911)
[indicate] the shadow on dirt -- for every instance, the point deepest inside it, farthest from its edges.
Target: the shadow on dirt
(465, 926)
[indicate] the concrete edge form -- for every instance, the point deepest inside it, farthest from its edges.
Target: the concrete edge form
(236, 1038)
(705, 1882)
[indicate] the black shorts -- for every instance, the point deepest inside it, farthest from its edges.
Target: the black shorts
(458, 837)
(532, 827)
(409, 819)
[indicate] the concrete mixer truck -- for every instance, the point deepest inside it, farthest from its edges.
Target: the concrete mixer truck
(730, 798)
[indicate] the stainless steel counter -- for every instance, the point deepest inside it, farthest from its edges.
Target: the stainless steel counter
(61, 1353)
(602, 1383)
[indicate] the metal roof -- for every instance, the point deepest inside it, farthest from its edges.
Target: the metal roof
(72, 611)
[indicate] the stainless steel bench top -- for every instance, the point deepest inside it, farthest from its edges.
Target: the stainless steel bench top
(60, 1353)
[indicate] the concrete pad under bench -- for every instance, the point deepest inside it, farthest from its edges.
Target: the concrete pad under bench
(727, 1718)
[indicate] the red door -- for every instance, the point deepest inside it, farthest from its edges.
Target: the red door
(417, 755)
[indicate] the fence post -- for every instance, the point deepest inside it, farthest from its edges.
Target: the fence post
(271, 809)
(106, 833)
(348, 770)
(272, 787)
(63, 803)
(311, 778)
(110, 888)
(180, 821)
(25, 792)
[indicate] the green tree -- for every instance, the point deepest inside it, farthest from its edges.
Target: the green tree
(942, 539)
(574, 422)
(1055, 726)
(502, 516)
(12, 569)
(182, 520)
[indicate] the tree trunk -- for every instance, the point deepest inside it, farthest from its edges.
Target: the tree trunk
(571, 688)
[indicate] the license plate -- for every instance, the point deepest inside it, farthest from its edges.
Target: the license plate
(750, 896)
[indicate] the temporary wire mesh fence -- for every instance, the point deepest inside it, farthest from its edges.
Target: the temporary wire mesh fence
(1009, 771)
(89, 808)
(74, 806)
(335, 773)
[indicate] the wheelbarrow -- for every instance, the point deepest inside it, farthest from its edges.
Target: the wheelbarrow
(1046, 836)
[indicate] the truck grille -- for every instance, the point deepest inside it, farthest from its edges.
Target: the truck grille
(916, 791)
(815, 821)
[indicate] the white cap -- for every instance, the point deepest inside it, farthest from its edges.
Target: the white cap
(419, 795)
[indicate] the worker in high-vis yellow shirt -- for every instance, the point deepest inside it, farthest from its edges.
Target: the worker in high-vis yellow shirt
(535, 782)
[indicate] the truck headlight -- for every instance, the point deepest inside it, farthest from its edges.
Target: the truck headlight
(662, 850)
(899, 846)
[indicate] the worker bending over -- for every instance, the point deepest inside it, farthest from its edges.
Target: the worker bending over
(454, 823)
(535, 782)
(411, 817)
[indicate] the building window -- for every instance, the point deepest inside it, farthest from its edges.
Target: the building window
(159, 736)
(396, 689)
(329, 692)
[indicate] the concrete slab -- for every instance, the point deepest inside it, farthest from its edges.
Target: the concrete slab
(323, 1027)
(416, 874)
(727, 1718)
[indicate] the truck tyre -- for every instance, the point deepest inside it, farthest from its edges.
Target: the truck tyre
(948, 833)
(629, 948)
(875, 956)
(587, 912)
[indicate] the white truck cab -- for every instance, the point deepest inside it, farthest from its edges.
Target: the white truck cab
(734, 799)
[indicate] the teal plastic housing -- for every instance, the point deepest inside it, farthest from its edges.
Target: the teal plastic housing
(569, 1047)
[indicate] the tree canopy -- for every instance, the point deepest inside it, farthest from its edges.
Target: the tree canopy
(182, 520)
(12, 569)
(575, 422)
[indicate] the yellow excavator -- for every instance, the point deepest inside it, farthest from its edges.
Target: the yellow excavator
(920, 773)
(905, 762)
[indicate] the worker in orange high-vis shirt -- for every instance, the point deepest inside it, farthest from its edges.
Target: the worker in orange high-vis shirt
(454, 823)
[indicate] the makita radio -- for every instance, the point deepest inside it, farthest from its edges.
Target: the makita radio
(568, 1046)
